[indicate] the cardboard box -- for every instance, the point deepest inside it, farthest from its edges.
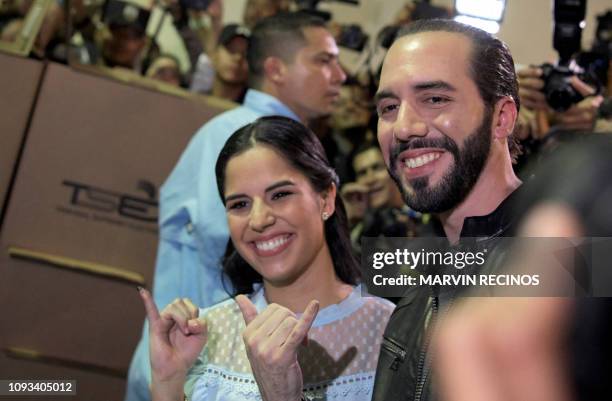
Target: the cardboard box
(19, 80)
(81, 227)
(97, 153)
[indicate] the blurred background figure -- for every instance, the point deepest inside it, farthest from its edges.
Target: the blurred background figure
(415, 10)
(350, 124)
(371, 172)
(540, 348)
(569, 96)
(256, 10)
(354, 107)
(225, 73)
(541, 125)
(125, 42)
(165, 68)
(198, 23)
(12, 17)
(374, 203)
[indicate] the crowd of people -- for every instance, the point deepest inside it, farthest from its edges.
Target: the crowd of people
(257, 291)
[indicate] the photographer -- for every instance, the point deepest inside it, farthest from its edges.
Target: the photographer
(198, 22)
(565, 97)
(579, 117)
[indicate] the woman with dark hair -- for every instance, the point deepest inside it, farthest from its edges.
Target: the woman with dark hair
(302, 150)
(291, 255)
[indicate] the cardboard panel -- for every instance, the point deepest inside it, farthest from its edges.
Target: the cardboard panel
(19, 80)
(69, 315)
(82, 220)
(97, 152)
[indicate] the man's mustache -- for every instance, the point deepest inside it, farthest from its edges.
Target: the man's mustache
(420, 143)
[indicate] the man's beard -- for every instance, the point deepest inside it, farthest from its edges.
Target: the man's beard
(457, 181)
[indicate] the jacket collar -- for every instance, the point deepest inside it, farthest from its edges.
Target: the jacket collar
(498, 223)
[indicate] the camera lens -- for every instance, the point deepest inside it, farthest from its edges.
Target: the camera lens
(560, 94)
(560, 98)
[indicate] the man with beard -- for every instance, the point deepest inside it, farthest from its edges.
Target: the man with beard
(447, 104)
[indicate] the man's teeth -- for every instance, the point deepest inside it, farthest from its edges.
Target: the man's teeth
(421, 160)
(271, 244)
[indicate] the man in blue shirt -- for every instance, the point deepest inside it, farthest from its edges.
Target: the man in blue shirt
(293, 72)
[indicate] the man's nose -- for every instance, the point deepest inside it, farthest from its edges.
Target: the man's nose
(338, 74)
(261, 217)
(408, 123)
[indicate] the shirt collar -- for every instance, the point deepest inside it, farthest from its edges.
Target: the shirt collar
(267, 104)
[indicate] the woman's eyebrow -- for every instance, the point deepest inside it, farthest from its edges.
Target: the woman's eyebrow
(280, 184)
(268, 189)
(234, 196)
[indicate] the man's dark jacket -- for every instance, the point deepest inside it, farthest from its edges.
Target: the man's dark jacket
(403, 371)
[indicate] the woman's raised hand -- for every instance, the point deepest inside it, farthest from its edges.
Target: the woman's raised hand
(176, 338)
(272, 339)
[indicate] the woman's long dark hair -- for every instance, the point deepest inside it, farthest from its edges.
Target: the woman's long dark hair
(302, 149)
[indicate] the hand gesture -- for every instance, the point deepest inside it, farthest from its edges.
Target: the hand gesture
(176, 338)
(272, 340)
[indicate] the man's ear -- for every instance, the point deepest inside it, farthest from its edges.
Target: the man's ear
(504, 117)
(275, 70)
(328, 200)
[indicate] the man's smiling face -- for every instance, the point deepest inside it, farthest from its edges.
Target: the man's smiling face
(433, 127)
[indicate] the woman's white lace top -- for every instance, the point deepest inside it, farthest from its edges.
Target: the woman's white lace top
(338, 363)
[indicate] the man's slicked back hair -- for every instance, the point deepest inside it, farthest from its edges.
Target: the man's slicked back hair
(491, 64)
(278, 36)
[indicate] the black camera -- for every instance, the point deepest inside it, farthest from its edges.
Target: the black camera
(352, 37)
(568, 23)
(587, 66)
(310, 7)
(560, 94)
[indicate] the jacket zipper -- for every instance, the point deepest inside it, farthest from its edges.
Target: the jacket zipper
(395, 349)
(422, 372)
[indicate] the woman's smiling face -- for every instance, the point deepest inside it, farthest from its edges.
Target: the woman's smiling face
(274, 215)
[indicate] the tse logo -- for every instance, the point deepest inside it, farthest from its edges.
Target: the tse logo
(125, 205)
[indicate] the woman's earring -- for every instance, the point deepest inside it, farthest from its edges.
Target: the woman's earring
(325, 215)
